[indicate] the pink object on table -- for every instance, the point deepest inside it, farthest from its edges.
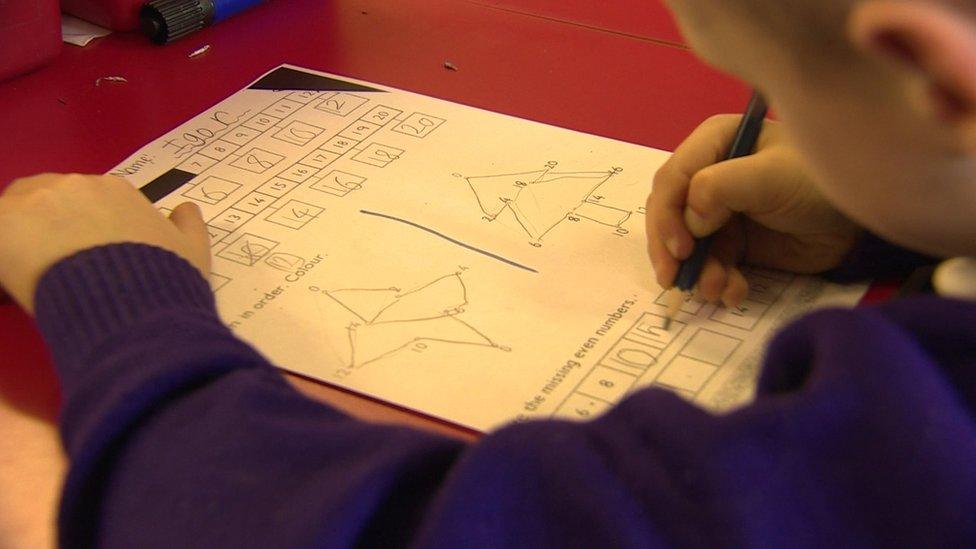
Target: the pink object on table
(119, 15)
(30, 34)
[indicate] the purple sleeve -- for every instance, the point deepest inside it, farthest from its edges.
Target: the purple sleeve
(180, 435)
(875, 258)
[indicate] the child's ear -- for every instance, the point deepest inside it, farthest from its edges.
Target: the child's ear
(932, 40)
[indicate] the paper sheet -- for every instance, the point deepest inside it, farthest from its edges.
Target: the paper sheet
(465, 264)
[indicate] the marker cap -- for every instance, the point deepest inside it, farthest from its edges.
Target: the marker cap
(164, 21)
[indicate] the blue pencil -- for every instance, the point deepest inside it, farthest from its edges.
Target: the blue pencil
(744, 144)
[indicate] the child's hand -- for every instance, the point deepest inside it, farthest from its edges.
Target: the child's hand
(785, 223)
(48, 217)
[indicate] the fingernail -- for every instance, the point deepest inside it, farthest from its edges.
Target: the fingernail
(673, 244)
(695, 223)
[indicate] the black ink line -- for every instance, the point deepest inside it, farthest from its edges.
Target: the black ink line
(449, 239)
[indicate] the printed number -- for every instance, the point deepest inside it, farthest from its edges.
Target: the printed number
(338, 105)
(582, 412)
(607, 383)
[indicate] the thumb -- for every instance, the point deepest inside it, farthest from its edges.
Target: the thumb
(188, 219)
(749, 185)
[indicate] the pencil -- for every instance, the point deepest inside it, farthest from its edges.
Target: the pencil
(690, 269)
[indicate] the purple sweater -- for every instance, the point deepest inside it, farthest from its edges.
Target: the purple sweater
(181, 435)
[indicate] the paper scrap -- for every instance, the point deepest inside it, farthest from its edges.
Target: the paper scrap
(120, 79)
(199, 51)
(80, 32)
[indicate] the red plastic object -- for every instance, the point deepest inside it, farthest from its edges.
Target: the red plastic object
(30, 35)
(120, 15)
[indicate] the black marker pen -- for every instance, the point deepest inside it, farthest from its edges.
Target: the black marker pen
(166, 20)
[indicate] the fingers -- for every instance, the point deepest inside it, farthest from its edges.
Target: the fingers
(722, 283)
(720, 280)
(745, 185)
(736, 289)
(695, 194)
(668, 240)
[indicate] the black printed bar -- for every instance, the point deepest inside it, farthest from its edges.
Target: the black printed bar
(284, 78)
(165, 184)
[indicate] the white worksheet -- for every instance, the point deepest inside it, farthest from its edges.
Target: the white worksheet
(464, 264)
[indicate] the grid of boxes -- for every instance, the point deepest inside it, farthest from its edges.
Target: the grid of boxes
(631, 357)
(765, 287)
(635, 356)
(313, 168)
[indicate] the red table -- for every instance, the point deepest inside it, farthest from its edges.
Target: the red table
(617, 71)
(648, 20)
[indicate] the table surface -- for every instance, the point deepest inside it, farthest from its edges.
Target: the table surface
(619, 71)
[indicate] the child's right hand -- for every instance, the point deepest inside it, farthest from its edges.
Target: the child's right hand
(785, 223)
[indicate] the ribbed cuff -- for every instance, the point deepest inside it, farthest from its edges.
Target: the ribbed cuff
(85, 298)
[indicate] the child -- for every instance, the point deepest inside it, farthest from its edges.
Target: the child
(862, 432)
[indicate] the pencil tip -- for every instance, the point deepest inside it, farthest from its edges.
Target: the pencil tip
(675, 298)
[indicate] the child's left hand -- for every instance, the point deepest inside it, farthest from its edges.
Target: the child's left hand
(46, 218)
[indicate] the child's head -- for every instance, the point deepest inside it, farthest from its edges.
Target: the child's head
(879, 94)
